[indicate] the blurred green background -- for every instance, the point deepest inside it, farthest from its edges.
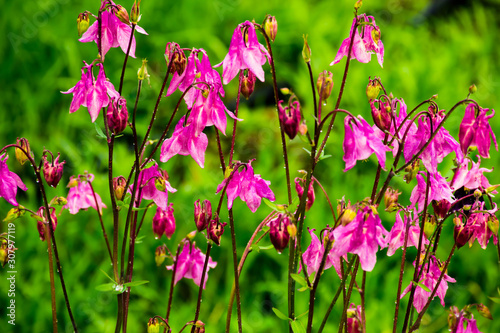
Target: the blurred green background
(428, 50)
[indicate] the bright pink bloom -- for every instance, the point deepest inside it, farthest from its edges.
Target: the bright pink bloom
(52, 172)
(81, 195)
(9, 182)
(249, 187)
(362, 236)
(361, 140)
(190, 265)
(245, 52)
(314, 254)
(429, 277)
(439, 190)
(114, 32)
(92, 93)
(477, 132)
(354, 319)
(278, 232)
(470, 179)
(164, 222)
(477, 224)
(471, 325)
(363, 45)
(299, 187)
(290, 118)
(396, 237)
(148, 188)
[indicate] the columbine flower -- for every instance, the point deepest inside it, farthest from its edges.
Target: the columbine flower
(278, 232)
(117, 115)
(477, 132)
(314, 254)
(299, 187)
(248, 186)
(471, 325)
(81, 195)
(470, 179)
(245, 52)
(362, 236)
(92, 93)
(354, 319)
(363, 45)
(164, 222)
(396, 237)
(439, 190)
(52, 172)
(114, 32)
(190, 265)
(476, 226)
(9, 182)
(361, 140)
(150, 180)
(290, 118)
(429, 277)
(202, 214)
(41, 224)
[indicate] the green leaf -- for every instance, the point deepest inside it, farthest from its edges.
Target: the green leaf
(109, 277)
(304, 288)
(106, 287)
(269, 247)
(279, 314)
(139, 239)
(135, 283)
(100, 133)
(297, 327)
(278, 208)
(424, 287)
(299, 278)
(495, 299)
(302, 314)
(266, 228)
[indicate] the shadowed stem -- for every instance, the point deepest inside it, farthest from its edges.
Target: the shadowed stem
(343, 321)
(202, 282)
(51, 273)
(126, 58)
(98, 209)
(172, 283)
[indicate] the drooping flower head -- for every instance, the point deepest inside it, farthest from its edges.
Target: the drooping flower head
(92, 93)
(164, 222)
(81, 194)
(190, 265)
(245, 52)
(42, 214)
(154, 185)
(314, 254)
(251, 188)
(114, 32)
(299, 187)
(278, 232)
(52, 172)
(366, 41)
(439, 190)
(476, 131)
(397, 234)
(9, 182)
(290, 118)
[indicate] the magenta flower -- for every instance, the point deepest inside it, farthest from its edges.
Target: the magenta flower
(278, 232)
(470, 179)
(362, 236)
(249, 187)
(477, 225)
(290, 118)
(9, 182)
(299, 187)
(184, 141)
(314, 254)
(396, 237)
(429, 277)
(45, 220)
(114, 32)
(471, 325)
(361, 140)
(164, 222)
(477, 132)
(92, 93)
(363, 45)
(52, 172)
(154, 186)
(81, 194)
(245, 52)
(190, 265)
(439, 190)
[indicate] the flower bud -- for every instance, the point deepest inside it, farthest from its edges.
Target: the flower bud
(484, 311)
(299, 187)
(199, 327)
(271, 27)
(381, 115)
(373, 89)
(142, 73)
(472, 89)
(247, 84)
(493, 224)
(52, 172)
(43, 220)
(154, 326)
(58, 201)
(429, 227)
(82, 23)
(461, 233)
(117, 115)
(160, 254)
(290, 118)
(358, 5)
(278, 232)
(164, 222)
(14, 213)
(391, 199)
(215, 230)
(202, 214)
(303, 127)
(441, 208)
(122, 14)
(453, 316)
(5, 250)
(179, 60)
(325, 80)
(119, 184)
(135, 12)
(20, 153)
(306, 50)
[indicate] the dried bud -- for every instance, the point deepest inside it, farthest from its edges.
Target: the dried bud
(164, 222)
(142, 73)
(20, 153)
(306, 50)
(154, 326)
(279, 232)
(373, 89)
(215, 230)
(119, 184)
(472, 89)
(271, 27)
(160, 254)
(14, 213)
(453, 316)
(202, 214)
(135, 12)
(299, 187)
(325, 80)
(391, 199)
(122, 14)
(484, 311)
(441, 208)
(247, 84)
(58, 201)
(52, 172)
(179, 60)
(82, 23)
(43, 220)
(290, 118)
(117, 115)
(381, 114)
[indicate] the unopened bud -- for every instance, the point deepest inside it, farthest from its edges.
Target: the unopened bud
(472, 89)
(391, 199)
(199, 327)
(303, 127)
(461, 233)
(373, 89)
(82, 23)
(117, 115)
(484, 311)
(381, 114)
(324, 85)
(119, 184)
(247, 84)
(52, 172)
(299, 187)
(278, 232)
(429, 227)
(14, 213)
(164, 222)
(160, 254)
(43, 220)
(142, 73)
(122, 14)
(21, 153)
(358, 5)
(493, 224)
(215, 230)
(441, 208)
(202, 214)
(135, 12)
(154, 326)
(290, 118)
(306, 50)
(271, 27)
(285, 91)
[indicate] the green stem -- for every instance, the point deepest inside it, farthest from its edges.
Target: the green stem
(200, 291)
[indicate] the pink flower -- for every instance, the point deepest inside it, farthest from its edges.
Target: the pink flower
(470, 179)
(363, 45)
(278, 232)
(290, 118)
(362, 236)
(396, 237)
(41, 224)
(164, 222)
(477, 224)
(429, 277)
(299, 187)
(361, 140)
(114, 32)
(248, 186)
(477, 132)
(52, 172)
(314, 254)
(439, 190)
(154, 185)
(9, 182)
(471, 325)
(92, 93)
(245, 52)
(81, 195)
(190, 265)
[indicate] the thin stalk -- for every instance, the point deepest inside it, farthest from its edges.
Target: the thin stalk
(362, 295)
(172, 283)
(343, 321)
(126, 58)
(236, 273)
(200, 291)
(51, 274)
(231, 151)
(101, 222)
